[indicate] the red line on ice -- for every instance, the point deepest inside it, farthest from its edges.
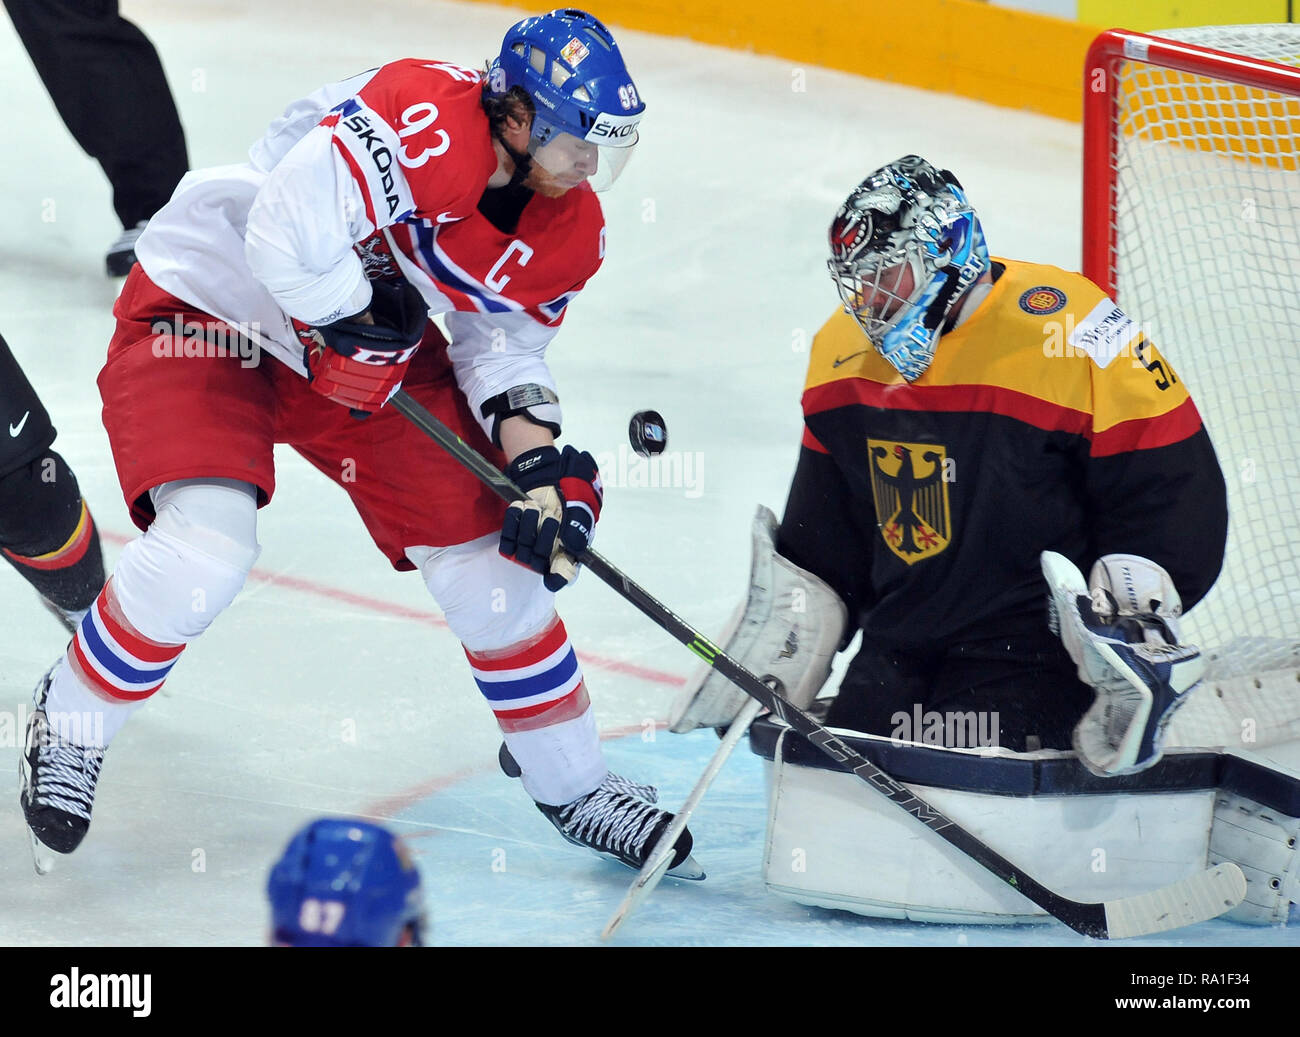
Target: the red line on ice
(387, 608)
(390, 806)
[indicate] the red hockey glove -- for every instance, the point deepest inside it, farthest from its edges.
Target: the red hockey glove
(559, 519)
(362, 365)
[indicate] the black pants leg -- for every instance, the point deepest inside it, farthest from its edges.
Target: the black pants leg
(107, 83)
(41, 510)
(1021, 693)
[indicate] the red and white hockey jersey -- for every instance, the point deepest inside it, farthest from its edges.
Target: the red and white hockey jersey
(379, 176)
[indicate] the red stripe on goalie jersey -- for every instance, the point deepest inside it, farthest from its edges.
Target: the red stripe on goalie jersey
(810, 441)
(417, 142)
(1178, 424)
(956, 399)
(1138, 434)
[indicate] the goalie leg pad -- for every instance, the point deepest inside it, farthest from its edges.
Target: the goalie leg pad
(1263, 843)
(787, 630)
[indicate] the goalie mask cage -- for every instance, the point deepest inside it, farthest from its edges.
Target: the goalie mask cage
(1192, 223)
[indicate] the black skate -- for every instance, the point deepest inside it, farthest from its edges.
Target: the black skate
(618, 820)
(56, 786)
(121, 254)
(69, 618)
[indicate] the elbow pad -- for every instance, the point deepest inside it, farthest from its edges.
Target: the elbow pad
(535, 402)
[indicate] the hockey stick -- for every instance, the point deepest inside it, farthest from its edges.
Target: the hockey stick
(661, 857)
(1196, 898)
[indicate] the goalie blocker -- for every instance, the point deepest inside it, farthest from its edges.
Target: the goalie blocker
(787, 632)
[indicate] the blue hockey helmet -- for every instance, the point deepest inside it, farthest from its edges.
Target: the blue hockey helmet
(906, 247)
(586, 107)
(345, 883)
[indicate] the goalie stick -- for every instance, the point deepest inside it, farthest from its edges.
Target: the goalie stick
(1196, 898)
(661, 857)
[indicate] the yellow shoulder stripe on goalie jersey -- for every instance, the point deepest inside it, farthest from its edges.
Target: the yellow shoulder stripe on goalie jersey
(1046, 346)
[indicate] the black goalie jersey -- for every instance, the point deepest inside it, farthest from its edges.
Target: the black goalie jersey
(1046, 421)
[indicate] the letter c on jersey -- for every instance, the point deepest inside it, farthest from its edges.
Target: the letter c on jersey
(494, 279)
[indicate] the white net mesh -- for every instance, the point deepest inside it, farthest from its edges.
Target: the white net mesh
(1208, 218)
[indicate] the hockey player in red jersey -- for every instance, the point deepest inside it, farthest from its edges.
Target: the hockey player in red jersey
(418, 186)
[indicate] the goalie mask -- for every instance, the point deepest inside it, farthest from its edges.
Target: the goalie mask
(906, 246)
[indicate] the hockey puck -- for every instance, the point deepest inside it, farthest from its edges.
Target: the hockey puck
(648, 433)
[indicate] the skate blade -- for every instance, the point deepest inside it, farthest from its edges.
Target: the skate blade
(43, 858)
(689, 870)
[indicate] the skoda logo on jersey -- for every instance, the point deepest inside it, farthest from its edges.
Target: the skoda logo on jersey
(911, 497)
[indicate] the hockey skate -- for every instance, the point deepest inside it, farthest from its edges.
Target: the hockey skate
(56, 786)
(69, 619)
(618, 820)
(121, 254)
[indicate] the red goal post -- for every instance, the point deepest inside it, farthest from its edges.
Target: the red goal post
(1102, 96)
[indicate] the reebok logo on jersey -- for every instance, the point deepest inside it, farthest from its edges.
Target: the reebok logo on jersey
(15, 430)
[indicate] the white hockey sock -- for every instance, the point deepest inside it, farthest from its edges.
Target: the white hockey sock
(560, 762)
(168, 586)
(80, 716)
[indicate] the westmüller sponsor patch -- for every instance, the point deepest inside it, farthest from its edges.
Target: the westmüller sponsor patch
(1104, 333)
(1042, 300)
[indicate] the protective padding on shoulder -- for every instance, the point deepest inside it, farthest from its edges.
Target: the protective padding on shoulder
(1263, 843)
(489, 602)
(189, 565)
(788, 629)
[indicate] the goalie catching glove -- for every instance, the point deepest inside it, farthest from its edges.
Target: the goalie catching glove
(1121, 630)
(361, 365)
(557, 522)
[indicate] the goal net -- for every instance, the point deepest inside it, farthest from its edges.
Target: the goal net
(1192, 222)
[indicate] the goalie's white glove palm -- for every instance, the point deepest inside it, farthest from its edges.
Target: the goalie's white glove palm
(1121, 630)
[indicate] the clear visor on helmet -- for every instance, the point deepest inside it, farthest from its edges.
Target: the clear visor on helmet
(876, 291)
(570, 160)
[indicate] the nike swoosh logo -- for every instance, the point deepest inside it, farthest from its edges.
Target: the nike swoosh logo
(446, 217)
(14, 430)
(845, 359)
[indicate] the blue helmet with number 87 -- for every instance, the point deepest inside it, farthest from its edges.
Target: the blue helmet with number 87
(586, 107)
(345, 883)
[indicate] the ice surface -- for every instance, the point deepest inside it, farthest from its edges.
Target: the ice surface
(331, 686)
